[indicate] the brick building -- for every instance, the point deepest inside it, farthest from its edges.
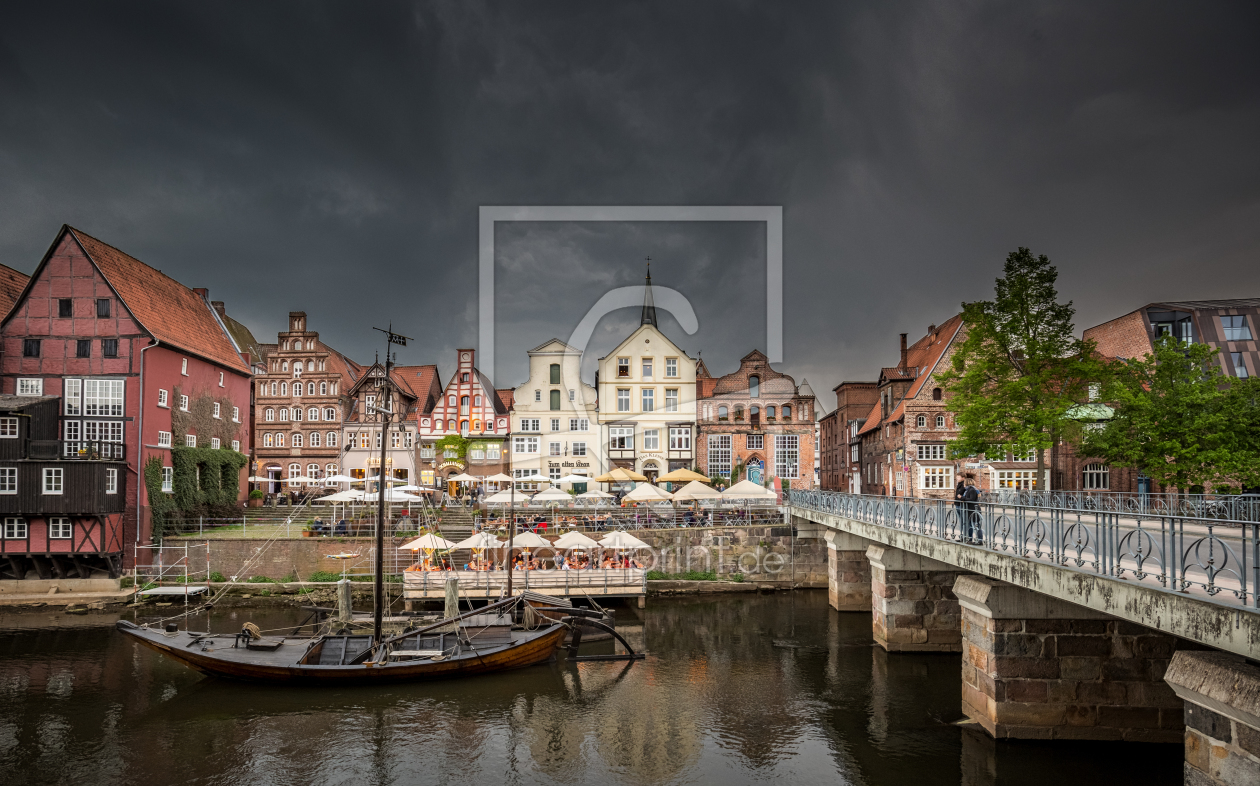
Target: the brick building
(416, 392)
(840, 449)
(12, 282)
(141, 364)
(298, 405)
(758, 422)
(471, 408)
(903, 441)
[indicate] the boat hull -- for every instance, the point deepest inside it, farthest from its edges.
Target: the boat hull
(528, 648)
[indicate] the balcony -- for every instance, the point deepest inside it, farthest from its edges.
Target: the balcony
(78, 450)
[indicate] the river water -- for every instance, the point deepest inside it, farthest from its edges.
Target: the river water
(716, 702)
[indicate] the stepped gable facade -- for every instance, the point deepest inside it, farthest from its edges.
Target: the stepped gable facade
(471, 409)
(415, 393)
(139, 364)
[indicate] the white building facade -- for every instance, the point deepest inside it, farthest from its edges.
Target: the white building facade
(555, 420)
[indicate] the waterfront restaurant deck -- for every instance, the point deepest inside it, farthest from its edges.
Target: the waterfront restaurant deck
(491, 584)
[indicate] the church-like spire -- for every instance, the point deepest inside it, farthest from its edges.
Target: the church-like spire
(649, 308)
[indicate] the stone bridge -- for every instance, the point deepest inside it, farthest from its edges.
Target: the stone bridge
(1072, 624)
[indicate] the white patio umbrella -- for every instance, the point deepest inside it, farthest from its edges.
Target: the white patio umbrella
(575, 540)
(552, 494)
(257, 479)
(507, 498)
(480, 540)
(464, 477)
(353, 495)
(392, 496)
(696, 490)
(527, 540)
(595, 494)
(571, 478)
(499, 478)
(646, 492)
(622, 540)
(301, 479)
(343, 479)
(376, 478)
(429, 541)
(746, 489)
(534, 478)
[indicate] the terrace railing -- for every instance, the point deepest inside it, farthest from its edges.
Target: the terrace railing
(1230, 507)
(1212, 557)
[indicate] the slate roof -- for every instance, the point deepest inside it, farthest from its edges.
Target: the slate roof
(169, 311)
(12, 282)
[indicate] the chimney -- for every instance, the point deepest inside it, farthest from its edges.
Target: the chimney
(903, 350)
(217, 305)
(202, 292)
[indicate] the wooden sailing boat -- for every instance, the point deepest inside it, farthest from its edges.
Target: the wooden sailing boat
(478, 642)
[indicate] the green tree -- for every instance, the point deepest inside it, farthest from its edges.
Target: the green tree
(1020, 369)
(1178, 419)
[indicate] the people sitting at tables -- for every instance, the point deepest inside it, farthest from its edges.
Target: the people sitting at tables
(343, 527)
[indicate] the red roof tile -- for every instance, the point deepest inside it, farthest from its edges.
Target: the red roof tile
(420, 381)
(171, 312)
(925, 354)
(12, 282)
(872, 420)
(506, 397)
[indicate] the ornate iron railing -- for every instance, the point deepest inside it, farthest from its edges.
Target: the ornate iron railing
(1227, 507)
(1178, 553)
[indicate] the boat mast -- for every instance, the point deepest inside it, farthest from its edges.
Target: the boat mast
(384, 407)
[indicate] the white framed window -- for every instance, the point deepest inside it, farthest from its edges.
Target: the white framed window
(297, 389)
(651, 439)
(8, 428)
(537, 395)
(395, 439)
(72, 392)
(555, 449)
(312, 471)
(1029, 456)
(1096, 477)
(525, 445)
(553, 473)
(60, 528)
(295, 471)
(786, 455)
(477, 453)
(719, 454)
(531, 424)
(280, 440)
(312, 413)
(214, 443)
(296, 440)
(555, 424)
(936, 477)
(164, 439)
(671, 367)
(190, 440)
(220, 379)
(216, 410)
(284, 414)
(365, 439)
(183, 403)
(168, 479)
(921, 421)
(621, 437)
(236, 414)
(931, 453)
(649, 400)
(940, 421)
(163, 398)
(623, 399)
(15, 529)
(671, 399)
(647, 368)
(331, 440)
(312, 439)
(679, 438)
(111, 481)
(623, 368)
(520, 473)
(493, 451)
(273, 388)
(103, 397)
(323, 386)
(8, 480)
(330, 414)
(578, 448)
(236, 445)
(183, 367)
(268, 441)
(284, 388)
(755, 441)
(54, 479)
(572, 394)
(1019, 479)
(30, 387)
(329, 471)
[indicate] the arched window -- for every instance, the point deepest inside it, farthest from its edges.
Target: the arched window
(329, 471)
(463, 405)
(269, 415)
(1096, 477)
(754, 386)
(284, 415)
(723, 413)
(323, 388)
(770, 412)
(297, 388)
(921, 421)
(331, 440)
(476, 401)
(273, 388)
(463, 428)
(284, 366)
(310, 388)
(297, 440)
(330, 413)
(284, 388)
(312, 413)
(787, 412)
(754, 412)
(555, 373)
(310, 364)
(940, 421)
(279, 440)
(476, 425)
(739, 412)
(295, 470)
(297, 413)
(936, 394)
(314, 439)
(268, 441)
(450, 425)
(297, 368)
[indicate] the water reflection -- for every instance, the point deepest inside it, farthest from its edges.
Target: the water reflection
(716, 702)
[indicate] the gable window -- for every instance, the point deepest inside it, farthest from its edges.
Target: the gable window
(555, 373)
(647, 368)
(1235, 328)
(30, 347)
(754, 386)
(671, 367)
(102, 308)
(53, 480)
(936, 394)
(463, 377)
(83, 348)
(65, 307)
(555, 400)
(623, 368)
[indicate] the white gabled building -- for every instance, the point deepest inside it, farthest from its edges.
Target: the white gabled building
(647, 400)
(555, 420)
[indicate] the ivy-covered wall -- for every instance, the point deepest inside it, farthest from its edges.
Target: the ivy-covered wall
(200, 419)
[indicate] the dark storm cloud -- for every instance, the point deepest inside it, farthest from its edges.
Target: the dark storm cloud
(332, 157)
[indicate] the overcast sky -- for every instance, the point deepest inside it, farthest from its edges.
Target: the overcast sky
(332, 157)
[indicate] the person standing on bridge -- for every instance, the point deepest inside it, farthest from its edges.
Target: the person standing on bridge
(971, 503)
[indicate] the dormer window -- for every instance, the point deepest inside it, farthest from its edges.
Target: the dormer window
(754, 386)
